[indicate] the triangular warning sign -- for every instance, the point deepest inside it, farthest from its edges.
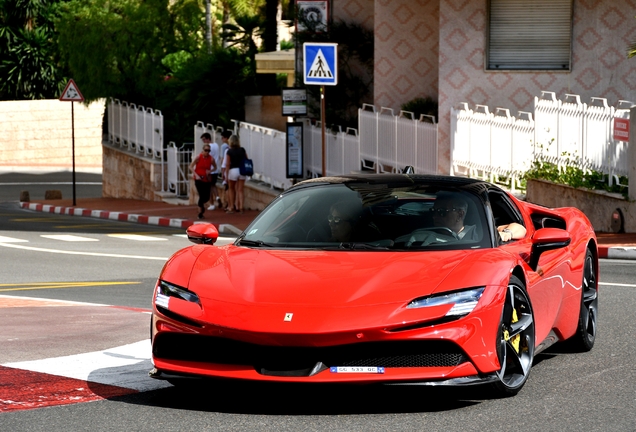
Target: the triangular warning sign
(320, 68)
(71, 92)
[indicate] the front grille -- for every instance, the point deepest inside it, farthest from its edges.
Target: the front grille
(209, 349)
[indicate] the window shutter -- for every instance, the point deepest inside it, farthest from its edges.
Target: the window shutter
(530, 35)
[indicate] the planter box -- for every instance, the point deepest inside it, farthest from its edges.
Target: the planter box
(600, 207)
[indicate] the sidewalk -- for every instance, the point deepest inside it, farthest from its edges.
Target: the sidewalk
(611, 245)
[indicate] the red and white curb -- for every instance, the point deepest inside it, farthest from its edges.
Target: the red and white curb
(124, 217)
(77, 378)
(617, 252)
(101, 214)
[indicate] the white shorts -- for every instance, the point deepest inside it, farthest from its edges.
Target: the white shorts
(235, 174)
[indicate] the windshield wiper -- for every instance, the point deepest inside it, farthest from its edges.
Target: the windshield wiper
(255, 243)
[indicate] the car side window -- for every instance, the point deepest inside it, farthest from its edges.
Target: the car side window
(503, 209)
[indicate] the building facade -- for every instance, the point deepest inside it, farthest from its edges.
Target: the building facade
(499, 53)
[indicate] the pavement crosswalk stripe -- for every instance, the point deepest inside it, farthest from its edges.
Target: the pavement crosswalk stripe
(69, 238)
(59, 251)
(4, 239)
(124, 366)
(137, 237)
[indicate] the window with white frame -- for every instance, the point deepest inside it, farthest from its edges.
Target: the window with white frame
(529, 35)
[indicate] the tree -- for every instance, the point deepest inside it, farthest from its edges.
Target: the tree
(118, 48)
(29, 68)
(210, 88)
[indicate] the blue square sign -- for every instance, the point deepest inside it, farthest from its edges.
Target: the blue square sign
(320, 63)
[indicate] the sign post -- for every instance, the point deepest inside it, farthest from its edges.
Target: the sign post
(320, 67)
(72, 93)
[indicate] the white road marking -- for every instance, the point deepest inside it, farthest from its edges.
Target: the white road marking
(42, 299)
(124, 366)
(617, 284)
(137, 237)
(69, 238)
(4, 239)
(58, 251)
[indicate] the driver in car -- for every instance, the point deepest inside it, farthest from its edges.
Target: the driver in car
(449, 211)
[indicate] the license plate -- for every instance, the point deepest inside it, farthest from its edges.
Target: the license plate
(357, 369)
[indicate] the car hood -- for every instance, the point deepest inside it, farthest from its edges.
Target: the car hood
(254, 289)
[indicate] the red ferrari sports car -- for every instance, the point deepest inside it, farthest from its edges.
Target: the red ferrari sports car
(390, 278)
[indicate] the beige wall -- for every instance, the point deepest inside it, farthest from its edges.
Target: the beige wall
(36, 136)
(406, 51)
(358, 11)
(436, 48)
(602, 30)
(127, 175)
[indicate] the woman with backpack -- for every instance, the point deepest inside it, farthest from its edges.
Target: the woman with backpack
(234, 157)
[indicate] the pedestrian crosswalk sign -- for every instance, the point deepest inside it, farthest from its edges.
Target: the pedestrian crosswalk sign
(320, 63)
(71, 93)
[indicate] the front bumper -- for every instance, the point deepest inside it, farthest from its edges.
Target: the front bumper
(460, 352)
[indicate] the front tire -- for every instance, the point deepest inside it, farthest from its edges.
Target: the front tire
(516, 340)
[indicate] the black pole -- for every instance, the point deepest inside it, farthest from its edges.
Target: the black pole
(73, 141)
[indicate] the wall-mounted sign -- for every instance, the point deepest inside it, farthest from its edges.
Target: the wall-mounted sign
(621, 129)
(295, 150)
(294, 102)
(313, 15)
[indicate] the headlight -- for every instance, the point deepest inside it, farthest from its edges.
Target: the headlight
(166, 290)
(463, 301)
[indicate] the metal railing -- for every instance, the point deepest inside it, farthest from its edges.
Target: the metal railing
(388, 142)
(565, 132)
(135, 128)
(266, 148)
(177, 160)
(342, 150)
(485, 144)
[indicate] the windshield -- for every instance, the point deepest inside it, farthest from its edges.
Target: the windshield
(371, 217)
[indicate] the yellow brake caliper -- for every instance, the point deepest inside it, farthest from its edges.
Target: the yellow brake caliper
(515, 340)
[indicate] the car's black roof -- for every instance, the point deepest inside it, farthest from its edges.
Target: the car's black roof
(396, 180)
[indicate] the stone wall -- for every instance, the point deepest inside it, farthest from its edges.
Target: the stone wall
(37, 136)
(598, 206)
(127, 175)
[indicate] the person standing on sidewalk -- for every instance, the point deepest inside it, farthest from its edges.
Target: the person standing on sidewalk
(214, 175)
(233, 159)
(225, 136)
(201, 167)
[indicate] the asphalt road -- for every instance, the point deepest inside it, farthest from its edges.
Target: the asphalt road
(566, 391)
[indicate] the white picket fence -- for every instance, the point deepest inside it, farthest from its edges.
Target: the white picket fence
(135, 128)
(389, 142)
(385, 143)
(497, 145)
(266, 148)
(484, 144)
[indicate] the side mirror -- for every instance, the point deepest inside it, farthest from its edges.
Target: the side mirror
(546, 239)
(202, 233)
